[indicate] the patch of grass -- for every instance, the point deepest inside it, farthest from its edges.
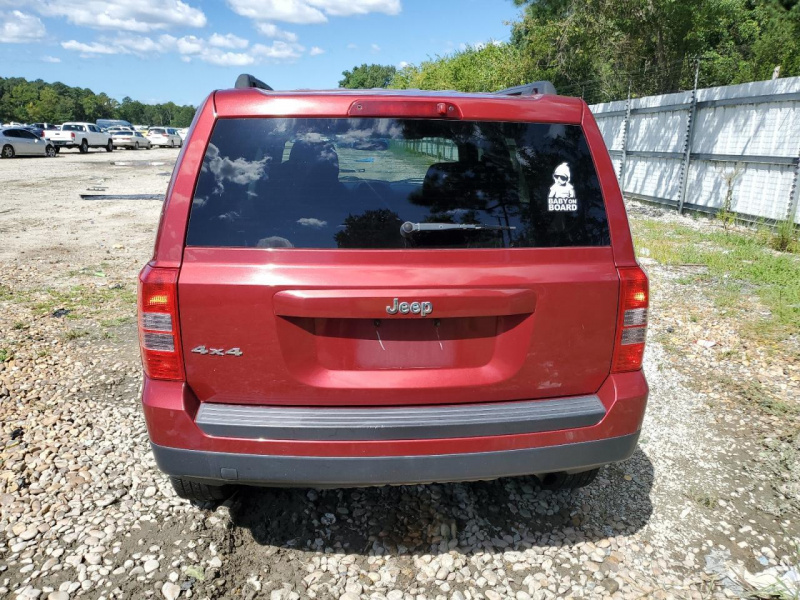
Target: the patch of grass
(732, 259)
(5, 292)
(117, 321)
(704, 498)
(74, 334)
(43, 353)
(6, 354)
(83, 299)
(19, 325)
(752, 393)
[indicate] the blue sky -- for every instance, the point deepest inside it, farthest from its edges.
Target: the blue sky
(160, 50)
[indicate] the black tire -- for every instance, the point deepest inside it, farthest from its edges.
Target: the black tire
(110, 146)
(172, 143)
(567, 481)
(135, 145)
(84, 147)
(58, 149)
(8, 151)
(50, 151)
(200, 492)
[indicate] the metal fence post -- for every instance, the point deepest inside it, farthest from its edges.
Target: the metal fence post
(687, 150)
(625, 124)
(794, 195)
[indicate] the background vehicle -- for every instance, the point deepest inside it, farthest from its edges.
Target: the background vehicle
(182, 132)
(45, 129)
(18, 141)
(107, 123)
(130, 139)
(81, 136)
(454, 297)
(164, 136)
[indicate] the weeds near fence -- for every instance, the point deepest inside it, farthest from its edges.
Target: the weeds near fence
(784, 238)
(736, 263)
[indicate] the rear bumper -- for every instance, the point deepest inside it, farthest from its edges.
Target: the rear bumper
(472, 442)
(327, 471)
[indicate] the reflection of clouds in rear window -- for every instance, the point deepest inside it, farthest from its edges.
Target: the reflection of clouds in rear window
(240, 170)
(315, 223)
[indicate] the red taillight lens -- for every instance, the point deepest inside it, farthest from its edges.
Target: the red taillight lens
(634, 296)
(72, 135)
(159, 336)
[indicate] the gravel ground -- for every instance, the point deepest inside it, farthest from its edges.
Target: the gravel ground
(708, 501)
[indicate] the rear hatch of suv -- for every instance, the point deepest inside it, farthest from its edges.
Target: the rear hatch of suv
(396, 261)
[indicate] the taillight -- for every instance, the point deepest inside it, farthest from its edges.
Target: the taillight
(159, 336)
(634, 298)
(72, 135)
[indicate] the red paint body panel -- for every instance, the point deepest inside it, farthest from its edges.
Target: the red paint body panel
(555, 340)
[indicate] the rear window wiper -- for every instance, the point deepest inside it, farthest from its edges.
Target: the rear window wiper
(408, 227)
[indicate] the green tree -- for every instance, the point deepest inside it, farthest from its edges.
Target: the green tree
(368, 76)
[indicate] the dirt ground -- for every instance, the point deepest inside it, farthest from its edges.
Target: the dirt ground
(706, 508)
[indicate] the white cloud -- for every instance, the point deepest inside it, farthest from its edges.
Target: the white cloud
(346, 8)
(93, 48)
(290, 11)
(310, 11)
(278, 50)
(352, 46)
(18, 28)
(228, 41)
(51, 59)
(316, 51)
(140, 16)
(190, 47)
(403, 64)
(375, 48)
(271, 31)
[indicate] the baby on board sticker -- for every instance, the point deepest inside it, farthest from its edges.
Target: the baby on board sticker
(562, 195)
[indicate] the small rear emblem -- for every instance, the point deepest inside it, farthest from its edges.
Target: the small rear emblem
(217, 351)
(417, 308)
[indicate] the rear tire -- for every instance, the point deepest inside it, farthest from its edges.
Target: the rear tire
(110, 146)
(136, 145)
(8, 151)
(84, 147)
(567, 481)
(200, 492)
(50, 151)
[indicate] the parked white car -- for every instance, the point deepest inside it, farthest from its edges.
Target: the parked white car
(164, 136)
(130, 139)
(15, 141)
(82, 136)
(182, 132)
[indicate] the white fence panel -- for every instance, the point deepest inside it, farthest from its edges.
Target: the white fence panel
(745, 143)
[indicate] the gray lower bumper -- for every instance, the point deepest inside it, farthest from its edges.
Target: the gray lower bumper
(314, 471)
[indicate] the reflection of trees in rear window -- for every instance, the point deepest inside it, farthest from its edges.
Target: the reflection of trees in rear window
(351, 183)
(72, 128)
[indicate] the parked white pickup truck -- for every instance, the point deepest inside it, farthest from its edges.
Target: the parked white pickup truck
(81, 136)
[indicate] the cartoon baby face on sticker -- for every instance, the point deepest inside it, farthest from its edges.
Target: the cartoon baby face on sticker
(562, 195)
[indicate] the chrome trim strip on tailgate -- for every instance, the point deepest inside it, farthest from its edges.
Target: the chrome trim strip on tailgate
(398, 423)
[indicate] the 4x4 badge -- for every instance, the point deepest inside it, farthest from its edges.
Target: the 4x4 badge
(217, 351)
(417, 308)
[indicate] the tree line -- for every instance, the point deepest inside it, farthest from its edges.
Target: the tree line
(601, 49)
(37, 101)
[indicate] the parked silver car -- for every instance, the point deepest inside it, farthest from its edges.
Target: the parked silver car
(16, 141)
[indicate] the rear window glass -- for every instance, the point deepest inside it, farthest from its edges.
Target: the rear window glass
(72, 128)
(396, 183)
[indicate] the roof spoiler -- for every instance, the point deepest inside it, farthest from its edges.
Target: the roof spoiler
(529, 89)
(245, 81)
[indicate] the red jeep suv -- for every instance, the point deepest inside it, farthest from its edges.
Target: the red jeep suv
(369, 287)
